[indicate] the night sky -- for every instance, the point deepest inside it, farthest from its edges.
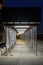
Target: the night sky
(27, 3)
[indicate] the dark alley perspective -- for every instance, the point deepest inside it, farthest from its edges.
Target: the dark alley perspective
(20, 41)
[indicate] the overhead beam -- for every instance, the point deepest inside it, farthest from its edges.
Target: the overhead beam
(21, 24)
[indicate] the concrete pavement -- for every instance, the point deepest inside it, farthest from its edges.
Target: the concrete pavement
(22, 54)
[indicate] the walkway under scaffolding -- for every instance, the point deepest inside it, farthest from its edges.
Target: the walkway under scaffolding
(21, 54)
(22, 47)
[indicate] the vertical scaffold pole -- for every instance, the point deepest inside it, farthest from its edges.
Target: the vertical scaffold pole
(36, 38)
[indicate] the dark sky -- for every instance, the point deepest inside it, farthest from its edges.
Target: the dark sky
(27, 3)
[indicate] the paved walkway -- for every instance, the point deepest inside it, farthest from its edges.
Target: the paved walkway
(22, 54)
(40, 47)
(20, 48)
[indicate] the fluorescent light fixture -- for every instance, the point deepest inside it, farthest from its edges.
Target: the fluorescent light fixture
(20, 31)
(21, 26)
